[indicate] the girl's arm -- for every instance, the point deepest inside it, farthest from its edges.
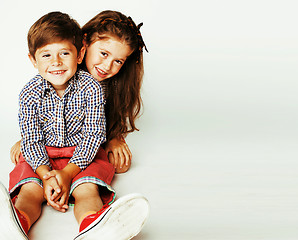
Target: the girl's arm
(119, 154)
(15, 152)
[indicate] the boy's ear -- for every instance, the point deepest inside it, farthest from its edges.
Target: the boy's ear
(32, 59)
(81, 54)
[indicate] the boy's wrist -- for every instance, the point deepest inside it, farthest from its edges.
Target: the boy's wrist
(72, 170)
(42, 170)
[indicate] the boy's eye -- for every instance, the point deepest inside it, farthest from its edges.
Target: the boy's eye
(46, 55)
(65, 53)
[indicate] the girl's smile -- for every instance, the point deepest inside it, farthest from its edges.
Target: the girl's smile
(100, 73)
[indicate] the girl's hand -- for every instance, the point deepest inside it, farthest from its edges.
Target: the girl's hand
(15, 152)
(119, 154)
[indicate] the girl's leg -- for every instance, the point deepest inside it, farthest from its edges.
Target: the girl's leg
(29, 201)
(87, 200)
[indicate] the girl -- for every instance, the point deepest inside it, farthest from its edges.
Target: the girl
(114, 57)
(120, 77)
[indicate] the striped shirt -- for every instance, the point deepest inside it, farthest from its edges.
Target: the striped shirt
(76, 119)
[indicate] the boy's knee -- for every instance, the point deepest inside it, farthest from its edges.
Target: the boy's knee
(85, 190)
(31, 186)
(31, 189)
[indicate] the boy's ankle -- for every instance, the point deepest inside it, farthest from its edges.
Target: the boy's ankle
(86, 215)
(24, 220)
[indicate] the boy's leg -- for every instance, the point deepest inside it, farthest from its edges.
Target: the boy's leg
(29, 201)
(15, 223)
(121, 220)
(87, 200)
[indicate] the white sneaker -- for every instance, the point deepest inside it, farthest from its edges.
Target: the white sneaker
(122, 220)
(10, 224)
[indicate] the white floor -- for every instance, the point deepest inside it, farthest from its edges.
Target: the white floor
(212, 189)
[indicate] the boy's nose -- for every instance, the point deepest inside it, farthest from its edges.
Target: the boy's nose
(56, 61)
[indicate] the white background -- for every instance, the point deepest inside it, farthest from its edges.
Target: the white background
(216, 154)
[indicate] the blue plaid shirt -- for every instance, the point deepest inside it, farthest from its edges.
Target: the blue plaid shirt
(76, 119)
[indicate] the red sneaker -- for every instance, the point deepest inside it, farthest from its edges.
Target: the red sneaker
(122, 220)
(13, 225)
(91, 220)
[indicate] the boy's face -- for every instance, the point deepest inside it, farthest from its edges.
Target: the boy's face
(57, 63)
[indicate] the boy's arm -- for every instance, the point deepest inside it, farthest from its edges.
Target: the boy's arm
(93, 130)
(32, 145)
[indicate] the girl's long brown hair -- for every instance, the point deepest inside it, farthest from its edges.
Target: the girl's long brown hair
(123, 90)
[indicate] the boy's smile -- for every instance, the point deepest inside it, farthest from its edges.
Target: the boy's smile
(57, 63)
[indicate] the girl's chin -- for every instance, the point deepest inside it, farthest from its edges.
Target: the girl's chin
(99, 79)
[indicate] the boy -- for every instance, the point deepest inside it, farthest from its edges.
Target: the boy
(62, 126)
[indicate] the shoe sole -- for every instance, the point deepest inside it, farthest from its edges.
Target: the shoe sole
(10, 227)
(123, 221)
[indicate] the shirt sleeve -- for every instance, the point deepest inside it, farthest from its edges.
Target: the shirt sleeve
(93, 130)
(32, 145)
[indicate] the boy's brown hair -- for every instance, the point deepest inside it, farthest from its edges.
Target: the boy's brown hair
(54, 27)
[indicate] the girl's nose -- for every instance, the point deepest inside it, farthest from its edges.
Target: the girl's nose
(107, 65)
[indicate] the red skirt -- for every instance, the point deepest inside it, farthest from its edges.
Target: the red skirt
(100, 172)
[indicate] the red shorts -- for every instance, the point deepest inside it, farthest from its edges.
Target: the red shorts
(100, 172)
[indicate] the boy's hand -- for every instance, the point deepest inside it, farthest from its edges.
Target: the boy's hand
(15, 152)
(51, 188)
(64, 178)
(64, 181)
(119, 154)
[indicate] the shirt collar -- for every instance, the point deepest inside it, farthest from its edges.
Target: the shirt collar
(47, 87)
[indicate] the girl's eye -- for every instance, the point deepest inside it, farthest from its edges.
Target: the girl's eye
(119, 62)
(104, 54)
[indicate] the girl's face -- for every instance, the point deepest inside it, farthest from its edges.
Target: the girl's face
(105, 57)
